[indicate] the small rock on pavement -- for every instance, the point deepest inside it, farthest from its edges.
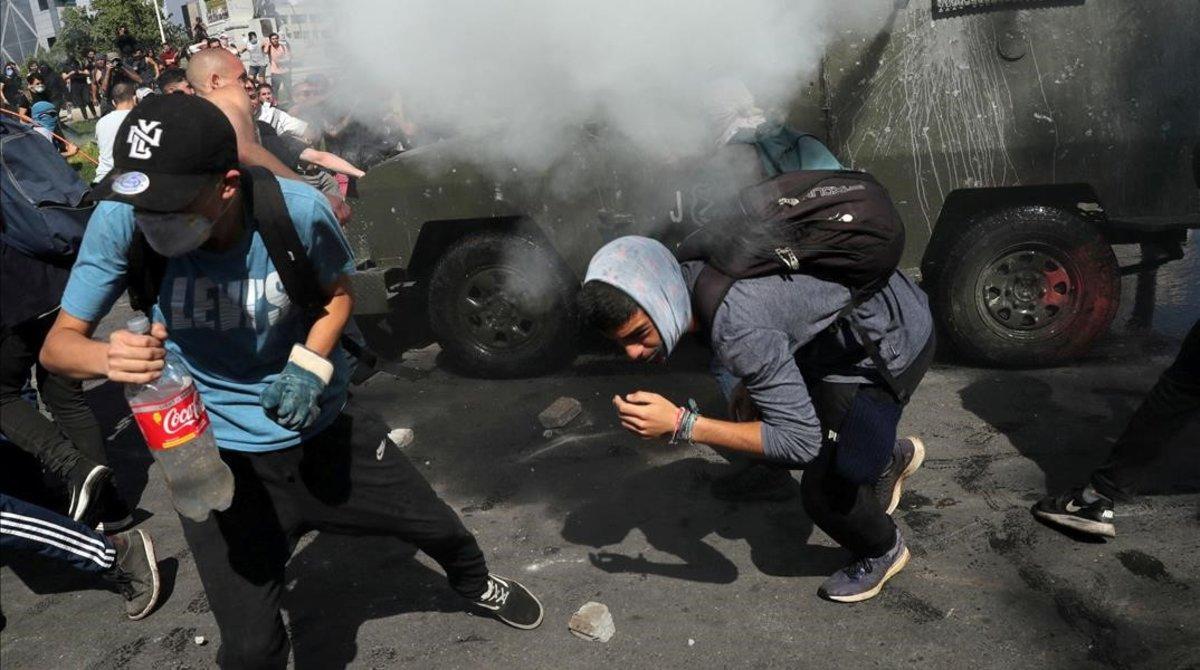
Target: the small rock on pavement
(421, 360)
(200, 640)
(401, 437)
(592, 622)
(560, 413)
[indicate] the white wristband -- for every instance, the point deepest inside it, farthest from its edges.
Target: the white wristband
(311, 361)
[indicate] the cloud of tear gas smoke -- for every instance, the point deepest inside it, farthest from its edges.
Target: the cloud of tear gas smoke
(527, 71)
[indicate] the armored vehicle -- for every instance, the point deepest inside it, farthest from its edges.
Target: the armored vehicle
(1019, 140)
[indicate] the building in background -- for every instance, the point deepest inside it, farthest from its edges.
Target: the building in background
(29, 25)
(305, 24)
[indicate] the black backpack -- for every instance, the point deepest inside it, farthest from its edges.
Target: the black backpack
(147, 267)
(836, 225)
(44, 201)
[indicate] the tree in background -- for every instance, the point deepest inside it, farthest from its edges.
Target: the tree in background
(96, 28)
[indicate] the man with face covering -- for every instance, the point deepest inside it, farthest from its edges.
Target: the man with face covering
(273, 377)
(812, 399)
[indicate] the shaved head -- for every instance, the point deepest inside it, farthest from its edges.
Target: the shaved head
(215, 68)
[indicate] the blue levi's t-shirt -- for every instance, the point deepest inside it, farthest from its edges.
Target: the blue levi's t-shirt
(227, 316)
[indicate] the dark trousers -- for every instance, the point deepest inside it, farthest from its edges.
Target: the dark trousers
(77, 433)
(349, 479)
(28, 528)
(81, 97)
(858, 422)
(1170, 406)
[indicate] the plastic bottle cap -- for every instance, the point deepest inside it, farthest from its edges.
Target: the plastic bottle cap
(138, 324)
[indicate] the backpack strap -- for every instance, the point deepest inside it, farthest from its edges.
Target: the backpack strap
(296, 271)
(144, 272)
(857, 298)
(287, 252)
(708, 293)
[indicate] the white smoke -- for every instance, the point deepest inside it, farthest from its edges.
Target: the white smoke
(525, 73)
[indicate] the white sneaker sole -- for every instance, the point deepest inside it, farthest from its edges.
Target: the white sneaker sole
(91, 485)
(154, 579)
(867, 595)
(1075, 523)
(913, 466)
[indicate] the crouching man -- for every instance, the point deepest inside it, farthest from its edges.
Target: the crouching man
(272, 376)
(818, 403)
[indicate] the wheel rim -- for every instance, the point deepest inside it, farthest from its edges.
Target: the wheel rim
(1030, 291)
(493, 310)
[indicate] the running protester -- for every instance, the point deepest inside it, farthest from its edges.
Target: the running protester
(1165, 414)
(822, 405)
(272, 377)
(126, 558)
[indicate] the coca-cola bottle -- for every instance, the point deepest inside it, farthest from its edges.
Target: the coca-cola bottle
(175, 424)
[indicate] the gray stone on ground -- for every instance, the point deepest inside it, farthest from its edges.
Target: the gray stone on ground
(422, 360)
(401, 437)
(592, 622)
(560, 413)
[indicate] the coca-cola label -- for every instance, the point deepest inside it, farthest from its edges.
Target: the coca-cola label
(173, 422)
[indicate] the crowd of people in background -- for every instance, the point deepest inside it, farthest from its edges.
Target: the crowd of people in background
(296, 121)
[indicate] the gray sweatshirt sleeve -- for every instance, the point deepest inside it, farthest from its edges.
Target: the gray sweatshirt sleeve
(762, 358)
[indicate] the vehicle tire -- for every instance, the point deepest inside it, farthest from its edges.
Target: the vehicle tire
(1026, 286)
(502, 305)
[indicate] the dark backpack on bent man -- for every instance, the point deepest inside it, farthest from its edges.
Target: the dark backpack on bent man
(147, 267)
(836, 225)
(44, 201)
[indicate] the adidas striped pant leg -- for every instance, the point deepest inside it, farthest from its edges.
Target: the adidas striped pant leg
(27, 528)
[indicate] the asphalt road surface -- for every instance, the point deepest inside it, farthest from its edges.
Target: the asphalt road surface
(591, 513)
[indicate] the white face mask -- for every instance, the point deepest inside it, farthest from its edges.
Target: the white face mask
(38, 88)
(174, 233)
(177, 233)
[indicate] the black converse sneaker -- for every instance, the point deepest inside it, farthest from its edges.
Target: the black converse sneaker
(85, 481)
(511, 603)
(1069, 510)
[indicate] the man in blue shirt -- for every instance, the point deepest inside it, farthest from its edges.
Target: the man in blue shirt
(274, 380)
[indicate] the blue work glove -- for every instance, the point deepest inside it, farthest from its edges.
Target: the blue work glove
(294, 399)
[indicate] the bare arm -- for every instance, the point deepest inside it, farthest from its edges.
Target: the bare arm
(236, 106)
(745, 437)
(327, 329)
(330, 161)
(70, 351)
(132, 74)
(650, 415)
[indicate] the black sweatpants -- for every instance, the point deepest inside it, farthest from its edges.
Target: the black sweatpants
(1170, 406)
(838, 486)
(75, 432)
(349, 479)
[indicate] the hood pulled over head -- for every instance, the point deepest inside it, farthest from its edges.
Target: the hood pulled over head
(647, 272)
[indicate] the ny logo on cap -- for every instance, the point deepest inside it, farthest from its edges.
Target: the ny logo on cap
(144, 135)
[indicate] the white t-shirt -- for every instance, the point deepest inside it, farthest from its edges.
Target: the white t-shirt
(106, 137)
(282, 122)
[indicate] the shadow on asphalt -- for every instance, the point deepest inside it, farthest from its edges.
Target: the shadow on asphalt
(331, 596)
(671, 506)
(1067, 443)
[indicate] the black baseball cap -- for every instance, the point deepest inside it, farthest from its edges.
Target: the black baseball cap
(168, 148)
